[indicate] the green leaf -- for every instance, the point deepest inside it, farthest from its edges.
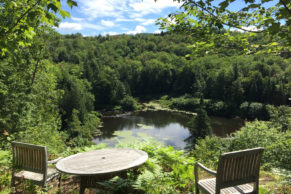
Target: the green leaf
(53, 7)
(58, 5)
(274, 28)
(21, 43)
(224, 4)
(14, 4)
(71, 3)
(274, 44)
(65, 14)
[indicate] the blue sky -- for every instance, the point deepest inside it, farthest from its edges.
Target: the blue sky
(94, 17)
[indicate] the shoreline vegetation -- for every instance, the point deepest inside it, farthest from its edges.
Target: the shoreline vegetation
(156, 106)
(144, 106)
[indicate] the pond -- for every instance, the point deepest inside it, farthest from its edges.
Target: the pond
(167, 127)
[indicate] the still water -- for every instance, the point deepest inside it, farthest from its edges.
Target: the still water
(167, 127)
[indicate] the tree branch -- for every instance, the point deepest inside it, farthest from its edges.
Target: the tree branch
(20, 18)
(218, 19)
(35, 71)
(286, 7)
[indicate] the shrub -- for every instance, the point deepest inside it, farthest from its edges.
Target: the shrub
(279, 154)
(213, 108)
(253, 110)
(208, 150)
(5, 164)
(220, 108)
(128, 103)
(183, 103)
(255, 134)
(216, 108)
(280, 117)
(166, 171)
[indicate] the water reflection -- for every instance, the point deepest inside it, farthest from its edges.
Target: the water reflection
(168, 127)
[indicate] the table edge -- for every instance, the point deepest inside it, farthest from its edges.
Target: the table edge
(143, 160)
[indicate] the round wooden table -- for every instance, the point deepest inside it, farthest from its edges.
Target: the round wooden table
(102, 164)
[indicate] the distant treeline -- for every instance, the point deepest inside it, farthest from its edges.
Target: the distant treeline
(147, 64)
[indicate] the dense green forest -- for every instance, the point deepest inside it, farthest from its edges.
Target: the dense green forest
(147, 65)
(54, 89)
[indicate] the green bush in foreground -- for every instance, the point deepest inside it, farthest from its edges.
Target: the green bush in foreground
(166, 171)
(277, 145)
(5, 164)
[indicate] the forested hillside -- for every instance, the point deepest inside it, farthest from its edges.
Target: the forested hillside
(145, 64)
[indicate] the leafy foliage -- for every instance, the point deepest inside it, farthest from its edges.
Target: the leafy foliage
(5, 163)
(166, 171)
(254, 134)
(128, 103)
(20, 20)
(209, 24)
(280, 117)
(39, 121)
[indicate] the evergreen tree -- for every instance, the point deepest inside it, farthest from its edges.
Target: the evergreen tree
(199, 126)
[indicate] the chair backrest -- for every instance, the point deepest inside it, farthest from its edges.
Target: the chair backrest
(30, 157)
(240, 167)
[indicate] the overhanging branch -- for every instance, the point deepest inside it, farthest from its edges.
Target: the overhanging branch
(220, 20)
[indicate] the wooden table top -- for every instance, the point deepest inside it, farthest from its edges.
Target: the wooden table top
(102, 161)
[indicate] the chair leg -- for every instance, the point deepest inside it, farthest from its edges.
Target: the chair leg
(59, 185)
(45, 188)
(82, 189)
(256, 187)
(12, 181)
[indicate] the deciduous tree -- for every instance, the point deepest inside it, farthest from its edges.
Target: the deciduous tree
(208, 22)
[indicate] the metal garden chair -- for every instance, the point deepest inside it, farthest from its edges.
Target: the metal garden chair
(234, 173)
(30, 162)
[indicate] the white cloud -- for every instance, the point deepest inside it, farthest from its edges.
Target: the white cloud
(148, 22)
(107, 23)
(137, 30)
(120, 8)
(157, 32)
(102, 8)
(150, 6)
(109, 33)
(251, 28)
(92, 26)
(70, 26)
(77, 19)
(124, 20)
(78, 26)
(144, 22)
(247, 28)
